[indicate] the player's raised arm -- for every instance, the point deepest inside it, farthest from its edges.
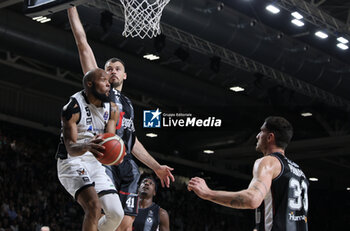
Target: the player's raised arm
(87, 58)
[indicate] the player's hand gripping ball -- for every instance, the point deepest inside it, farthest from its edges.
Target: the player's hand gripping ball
(114, 149)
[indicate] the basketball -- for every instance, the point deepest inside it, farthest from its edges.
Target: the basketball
(114, 149)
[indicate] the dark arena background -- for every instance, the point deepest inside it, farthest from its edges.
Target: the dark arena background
(237, 61)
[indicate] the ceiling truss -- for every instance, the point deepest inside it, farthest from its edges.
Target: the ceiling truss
(231, 58)
(315, 16)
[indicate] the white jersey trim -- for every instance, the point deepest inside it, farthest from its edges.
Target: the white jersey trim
(268, 203)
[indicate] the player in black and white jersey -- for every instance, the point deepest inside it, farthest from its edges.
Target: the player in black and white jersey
(126, 175)
(279, 188)
(151, 217)
(88, 113)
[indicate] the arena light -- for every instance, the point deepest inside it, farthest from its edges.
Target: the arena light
(321, 35)
(342, 40)
(297, 22)
(306, 114)
(313, 179)
(41, 19)
(342, 46)
(37, 18)
(348, 189)
(208, 151)
(151, 135)
(273, 9)
(236, 88)
(151, 57)
(45, 20)
(297, 15)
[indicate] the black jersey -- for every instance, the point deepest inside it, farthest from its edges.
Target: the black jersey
(125, 126)
(147, 219)
(286, 204)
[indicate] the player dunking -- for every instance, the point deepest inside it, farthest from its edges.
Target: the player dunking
(87, 114)
(279, 188)
(126, 175)
(151, 217)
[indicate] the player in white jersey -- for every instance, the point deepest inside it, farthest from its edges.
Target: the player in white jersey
(87, 114)
(125, 175)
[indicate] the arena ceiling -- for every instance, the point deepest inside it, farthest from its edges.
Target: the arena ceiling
(207, 47)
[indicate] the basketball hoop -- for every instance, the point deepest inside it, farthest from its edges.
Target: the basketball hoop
(142, 17)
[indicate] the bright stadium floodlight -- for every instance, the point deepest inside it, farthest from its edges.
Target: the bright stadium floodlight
(306, 114)
(297, 22)
(41, 19)
(208, 151)
(297, 15)
(272, 9)
(38, 17)
(342, 40)
(152, 135)
(151, 57)
(46, 20)
(342, 46)
(321, 34)
(236, 88)
(313, 179)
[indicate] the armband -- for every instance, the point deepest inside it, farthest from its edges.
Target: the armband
(69, 109)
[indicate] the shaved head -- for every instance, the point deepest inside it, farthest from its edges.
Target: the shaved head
(96, 84)
(91, 76)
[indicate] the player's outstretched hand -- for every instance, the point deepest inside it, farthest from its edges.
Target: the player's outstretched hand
(164, 174)
(199, 187)
(95, 148)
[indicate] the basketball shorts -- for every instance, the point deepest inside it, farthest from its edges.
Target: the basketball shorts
(77, 173)
(126, 177)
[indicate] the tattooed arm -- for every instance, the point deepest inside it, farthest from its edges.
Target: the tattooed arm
(265, 169)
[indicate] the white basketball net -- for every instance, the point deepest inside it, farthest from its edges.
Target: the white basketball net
(142, 17)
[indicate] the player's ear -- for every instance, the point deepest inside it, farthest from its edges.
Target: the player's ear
(125, 75)
(89, 84)
(271, 137)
